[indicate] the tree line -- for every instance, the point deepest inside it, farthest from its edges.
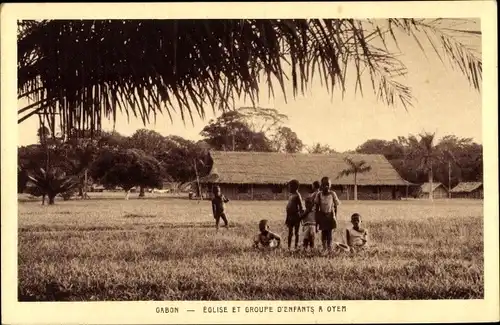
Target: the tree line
(68, 165)
(423, 158)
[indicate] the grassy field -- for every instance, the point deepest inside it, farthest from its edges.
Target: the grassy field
(167, 249)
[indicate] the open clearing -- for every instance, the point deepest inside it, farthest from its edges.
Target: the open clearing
(167, 249)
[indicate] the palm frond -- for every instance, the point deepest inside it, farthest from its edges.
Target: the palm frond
(86, 70)
(364, 169)
(445, 42)
(427, 142)
(352, 164)
(355, 167)
(52, 181)
(345, 172)
(35, 180)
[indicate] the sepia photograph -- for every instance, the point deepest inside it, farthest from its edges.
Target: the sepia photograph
(250, 160)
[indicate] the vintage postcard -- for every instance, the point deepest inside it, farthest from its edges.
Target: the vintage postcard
(249, 163)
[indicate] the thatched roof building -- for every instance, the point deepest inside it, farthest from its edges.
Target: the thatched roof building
(251, 172)
(471, 190)
(439, 191)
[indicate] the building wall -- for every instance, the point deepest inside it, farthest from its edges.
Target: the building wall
(250, 192)
(439, 193)
(270, 192)
(371, 192)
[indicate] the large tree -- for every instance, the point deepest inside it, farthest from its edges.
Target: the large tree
(152, 143)
(231, 132)
(286, 140)
(455, 159)
(112, 140)
(319, 148)
(77, 156)
(31, 157)
(86, 70)
(461, 160)
(127, 168)
(185, 158)
(395, 151)
(390, 149)
(262, 119)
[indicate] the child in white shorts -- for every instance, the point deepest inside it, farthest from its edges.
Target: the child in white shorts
(309, 225)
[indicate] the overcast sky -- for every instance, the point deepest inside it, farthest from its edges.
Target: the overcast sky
(444, 103)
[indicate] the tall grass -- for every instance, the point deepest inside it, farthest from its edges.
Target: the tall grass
(167, 249)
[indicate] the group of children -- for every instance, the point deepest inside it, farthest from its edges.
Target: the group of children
(319, 213)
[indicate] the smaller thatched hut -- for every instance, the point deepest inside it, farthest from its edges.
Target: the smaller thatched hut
(468, 190)
(439, 191)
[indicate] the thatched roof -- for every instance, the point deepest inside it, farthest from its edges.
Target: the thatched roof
(425, 187)
(279, 168)
(466, 187)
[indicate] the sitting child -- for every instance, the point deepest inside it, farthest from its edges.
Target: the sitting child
(357, 237)
(309, 224)
(266, 237)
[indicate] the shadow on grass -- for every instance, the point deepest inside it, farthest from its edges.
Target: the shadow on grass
(227, 250)
(185, 288)
(134, 215)
(43, 228)
(132, 227)
(188, 225)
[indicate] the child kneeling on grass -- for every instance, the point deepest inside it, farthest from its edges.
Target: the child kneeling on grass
(266, 238)
(356, 237)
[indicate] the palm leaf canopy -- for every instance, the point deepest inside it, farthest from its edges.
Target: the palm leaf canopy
(355, 167)
(52, 181)
(84, 70)
(424, 150)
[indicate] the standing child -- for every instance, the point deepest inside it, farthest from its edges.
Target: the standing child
(309, 224)
(357, 237)
(218, 203)
(316, 188)
(326, 203)
(294, 211)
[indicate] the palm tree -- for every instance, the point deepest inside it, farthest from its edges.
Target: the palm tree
(426, 154)
(78, 155)
(355, 168)
(52, 182)
(85, 70)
